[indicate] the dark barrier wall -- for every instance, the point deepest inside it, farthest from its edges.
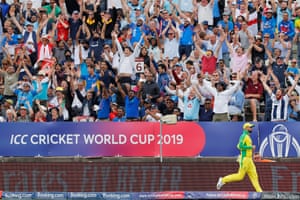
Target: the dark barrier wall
(194, 174)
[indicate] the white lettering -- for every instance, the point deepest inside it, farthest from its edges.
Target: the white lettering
(142, 139)
(18, 139)
(39, 139)
(104, 139)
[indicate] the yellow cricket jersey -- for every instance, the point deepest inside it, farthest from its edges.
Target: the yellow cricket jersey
(245, 145)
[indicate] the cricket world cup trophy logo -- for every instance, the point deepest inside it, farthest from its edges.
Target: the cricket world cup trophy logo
(279, 143)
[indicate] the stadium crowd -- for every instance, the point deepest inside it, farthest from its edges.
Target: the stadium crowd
(134, 60)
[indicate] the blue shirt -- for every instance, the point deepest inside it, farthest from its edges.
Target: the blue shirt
(42, 95)
(132, 107)
(83, 69)
(191, 108)
(23, 97)
(137, 32)
(287, 27)
(13, 41)
(229, 25)
(205, 115)
(163, 80)
(237, 99)
(293, 70)
(186, 35)
(216, 10)
(268, 26)
(104, 109)
(90, 80)
(117, 119)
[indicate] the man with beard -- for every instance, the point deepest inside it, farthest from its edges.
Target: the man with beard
(186, 39)
(280, 101)
(96, 46)
(245, 160)
(137, 30)
(131, 100)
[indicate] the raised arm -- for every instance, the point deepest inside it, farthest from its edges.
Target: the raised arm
(293, 86)
(123, 94)
(264, 82)
(220, 42)
(230, 48)
(166, 29)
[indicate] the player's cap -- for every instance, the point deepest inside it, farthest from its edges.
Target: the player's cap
(248, 125)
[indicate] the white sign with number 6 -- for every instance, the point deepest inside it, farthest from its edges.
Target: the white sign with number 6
(139, 65)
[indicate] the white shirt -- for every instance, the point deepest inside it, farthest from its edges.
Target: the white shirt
(171, 48)
(149, 118)
(221, 99)
(205, 13)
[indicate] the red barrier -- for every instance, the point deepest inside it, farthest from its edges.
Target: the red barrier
(175, 175)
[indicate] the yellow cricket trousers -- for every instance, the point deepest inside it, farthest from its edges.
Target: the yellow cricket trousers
(246, 166)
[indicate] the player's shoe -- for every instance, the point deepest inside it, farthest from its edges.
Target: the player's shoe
(220, 183)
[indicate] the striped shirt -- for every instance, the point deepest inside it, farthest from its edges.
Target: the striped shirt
(279, 108)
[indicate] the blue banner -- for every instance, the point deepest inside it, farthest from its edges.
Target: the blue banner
(144, 138)
(222, 138)
(279, 140)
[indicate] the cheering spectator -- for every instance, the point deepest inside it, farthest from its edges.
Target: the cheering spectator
(171, 42)
(205, 11)
(120, 115)
(253, 92)
(280, 101)
(239, 58)
(55, 115)
(131, 100)
(206, 112)
(222, 96)
(279, 66)
(150, 89)
(236, 103)
(126, 68)
(25, 114)
(191, 104)
(152, 114)
(268, 23)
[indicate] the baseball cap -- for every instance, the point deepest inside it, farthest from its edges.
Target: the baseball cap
(205, 22)
(75, 12)
(138, 8)
(41, 73)
(45, 36)
(28, 24)
(226, 13)
(59, 89)
(248, 125)
(147, 101)
(23, 108)
(268, 10)
(279, 57)
(153, 106)
(9, 101)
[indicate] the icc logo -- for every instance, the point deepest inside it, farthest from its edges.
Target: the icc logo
(279, 142)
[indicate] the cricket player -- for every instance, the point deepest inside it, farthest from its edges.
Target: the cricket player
(246, 161)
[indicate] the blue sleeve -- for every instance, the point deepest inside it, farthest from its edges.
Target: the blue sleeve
(3, 42)
(292, 30)
(240, 101)
(83, 77)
